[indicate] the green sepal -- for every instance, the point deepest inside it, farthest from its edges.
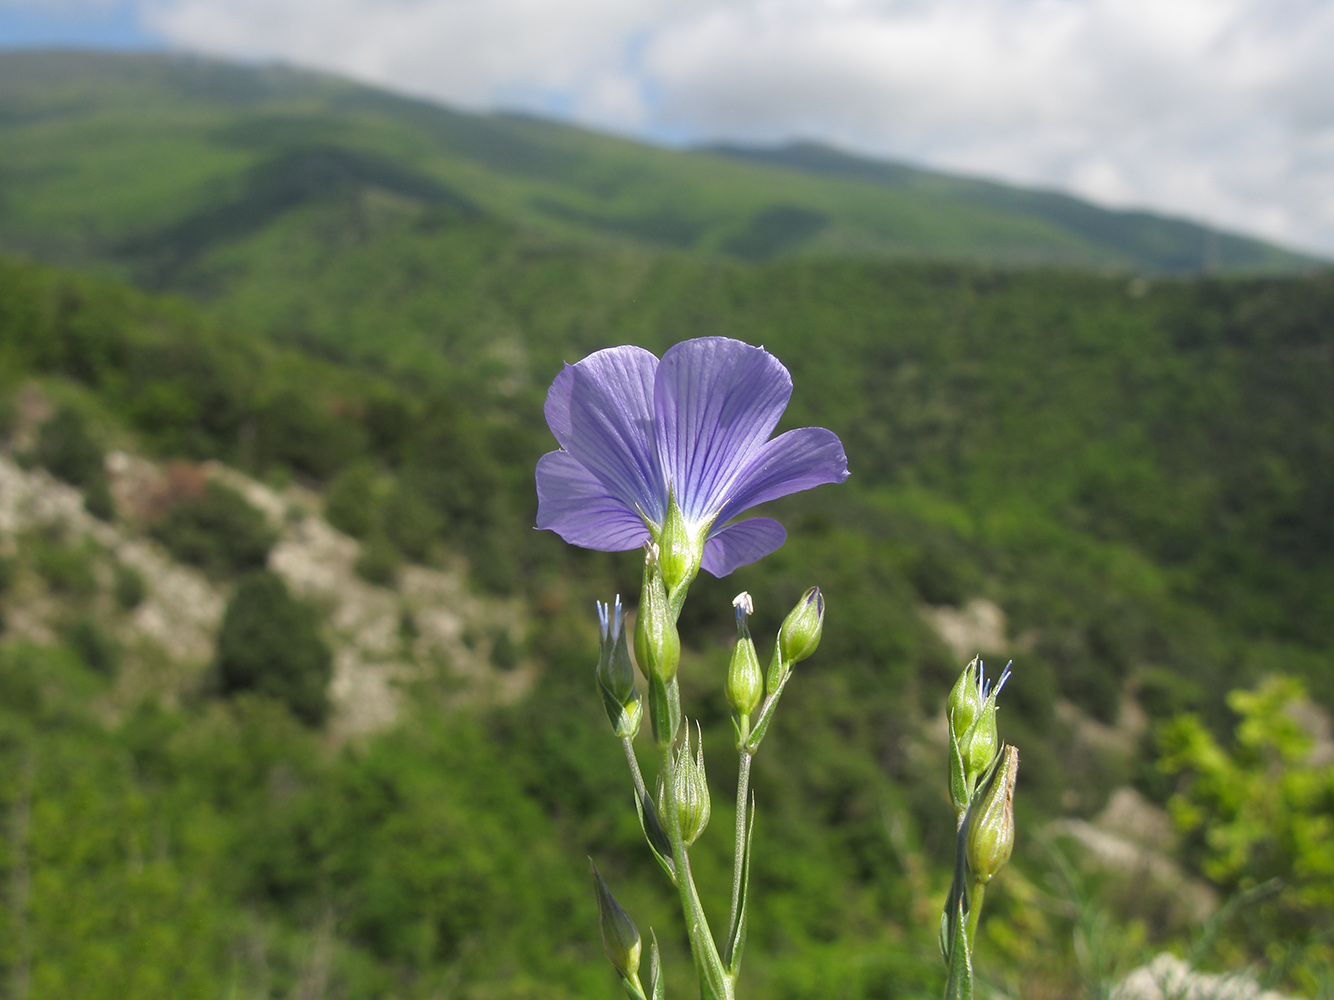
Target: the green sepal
(664, 709)
(959, 981)
(656, 836)
(623, 723)
(736, 934)
(766, 715)
(958, 783)
(656, 989)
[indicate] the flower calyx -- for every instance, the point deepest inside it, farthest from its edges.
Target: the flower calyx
(692, 788)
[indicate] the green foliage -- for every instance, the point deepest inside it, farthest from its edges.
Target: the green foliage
(66, 568)
(269, 643)
(378, 561)
(128, 587)
(410, 523)
(218, 531)
(1262, 810)
(68, 451)
(99, 652)
(351, 502)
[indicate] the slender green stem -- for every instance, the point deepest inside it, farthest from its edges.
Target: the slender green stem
(739, 854)
(975, 910)
(702, 946)
(627, 744)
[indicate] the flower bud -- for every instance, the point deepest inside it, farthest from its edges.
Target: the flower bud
(980, 744)
(991, 834)
(657, 643)
(679, 549)
(800, 633)
(692, 789)
(620, 936)
(745, 681)
(965, 700)
(615, 673)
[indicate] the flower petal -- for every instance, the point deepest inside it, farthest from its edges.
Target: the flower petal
(557, 407)
(790, 463)
(716, 401)
(609, 402)
(741, 543)
(573, 504)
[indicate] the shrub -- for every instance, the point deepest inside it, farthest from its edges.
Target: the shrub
(410, 522)
(219, 531)
(350, 505)
(269, 643)
(378, 562)
(99, 652)
(128, 586)
(66, 450)
(66, 569)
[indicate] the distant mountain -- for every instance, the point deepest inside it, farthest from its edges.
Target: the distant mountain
(1158, 242)
(157, 165)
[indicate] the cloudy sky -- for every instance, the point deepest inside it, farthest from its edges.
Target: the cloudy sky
(1220, 110)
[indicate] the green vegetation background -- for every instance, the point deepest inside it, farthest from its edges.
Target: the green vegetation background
(1140, 473)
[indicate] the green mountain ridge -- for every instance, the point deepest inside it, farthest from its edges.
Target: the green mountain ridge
(1169, 244)
(164, 134)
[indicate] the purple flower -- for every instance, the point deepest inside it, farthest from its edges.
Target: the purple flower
(636, 433)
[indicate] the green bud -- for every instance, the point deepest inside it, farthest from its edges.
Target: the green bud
(679, 549)
(991, 834)
(620, 936)
(692, 788)
(980, 744)
(965, 701)
(745, 681)
(657, 643)
(615, 673)
(800, 633)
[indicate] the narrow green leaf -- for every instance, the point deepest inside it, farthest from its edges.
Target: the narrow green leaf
(656, 836)
(959, 983)
(766, 715)
(656, 989)
(736, 934)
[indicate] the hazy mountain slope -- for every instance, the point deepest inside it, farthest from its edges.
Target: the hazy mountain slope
(140, 161)
(1169, 244)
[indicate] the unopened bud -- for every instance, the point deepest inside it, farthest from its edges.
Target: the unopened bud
(692, 789)
(745, 681)
(616, 674)
(980, 745)
(965, 701)
(657, 643)
(800, 633)
(991, 835)
(620, 936)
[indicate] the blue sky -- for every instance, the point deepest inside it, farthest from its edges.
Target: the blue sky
(1217, 110)
(54, 25)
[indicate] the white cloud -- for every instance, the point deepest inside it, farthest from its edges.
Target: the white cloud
(1218, 109)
